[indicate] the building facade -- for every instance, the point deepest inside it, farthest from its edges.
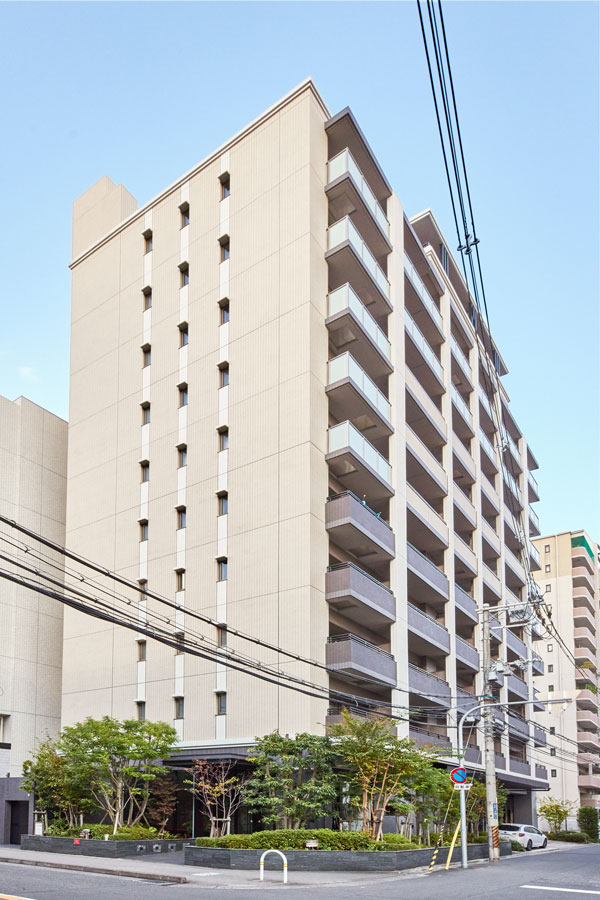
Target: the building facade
(33, 468)
(282, 415)
(570, 582)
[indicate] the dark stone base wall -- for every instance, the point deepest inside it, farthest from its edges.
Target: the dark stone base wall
(106, 849)
(10, 795)
(331, 860)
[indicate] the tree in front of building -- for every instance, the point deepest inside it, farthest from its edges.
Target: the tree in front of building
(218, 791)
(587, 819)
(555, 811)
(162, 802)
(378, 765)
(60, 793)
(293, 780)
(118, 761)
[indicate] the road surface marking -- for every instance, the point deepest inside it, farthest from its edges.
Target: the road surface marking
(12, 897)
(539, 887)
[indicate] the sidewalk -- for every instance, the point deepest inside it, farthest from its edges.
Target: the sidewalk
(160, 869)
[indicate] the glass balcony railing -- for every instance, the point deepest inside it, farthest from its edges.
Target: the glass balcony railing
(461, 404)
(344, 163)
(532, 481)
(346, 230)
(460, 356)
(486, 403)
(423, 344)
(346, 435)
(487, 445)
(419, 286)
(512, 445)
(345, 366)
(534, 553)
(345, 297)
(534, 517)
(514, 487)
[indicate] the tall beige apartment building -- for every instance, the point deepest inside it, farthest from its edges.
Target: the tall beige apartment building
(570, 582)
(33, 491)
(280, 416)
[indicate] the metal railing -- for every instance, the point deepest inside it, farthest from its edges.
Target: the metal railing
(352, 565)
(335, 638)
(362, 503)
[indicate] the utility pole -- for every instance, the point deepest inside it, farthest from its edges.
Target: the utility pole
(490, 750)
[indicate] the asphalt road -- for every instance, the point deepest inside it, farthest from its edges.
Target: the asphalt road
(572, 874)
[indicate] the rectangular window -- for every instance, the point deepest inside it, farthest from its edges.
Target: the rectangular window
(221, 704)
(145, 471)
(181, 518)
(547, 568)
(146, 414)
(185, 214)
(224, 250)
(179, 707)
(552, 729)
(223, 505)
(183, 395)
(147, 241)
(548, 588)
(182, 457)
(141, 651)
(552, 751)
(147, 355)
(444, 259)
(553, 773)
(141, 711)
(222, 637)
(222, 570)
(183, 335)
(549, 648)
(550, 669)
(547, 548)
(148, 299)
(224, 376)
(180, 580)
(225, 186)
(143, 531)
(224, 313)
(550, 688)
(184, 271)
(224, 439)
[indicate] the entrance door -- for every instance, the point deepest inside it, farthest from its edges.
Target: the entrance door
(19, 820)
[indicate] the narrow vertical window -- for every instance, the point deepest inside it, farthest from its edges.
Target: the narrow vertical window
(141, 651)
(222, 637)
(179, 707)
(180, 580)
(146, 355)
(224, 439)
(224, 249)
(145, 471)
(182, 457)
(185, 214)
(141, 711)
(184, 274)
(221, 704)
(143, 531)
(183, 395)
(183, 334)
(223, 505)
(222, 570)
(147, 241)
(224, 376)
(224, 314)
(145, 414)
(148, 298)
(181, 518)
(225, 186)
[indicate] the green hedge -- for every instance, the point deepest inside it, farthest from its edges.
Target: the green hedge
(587, 819)
(283, 839)
(97, 832)
(517, 847)
(575, 837)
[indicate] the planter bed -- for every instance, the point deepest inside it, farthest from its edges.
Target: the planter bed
(331, 860)
(106, 849)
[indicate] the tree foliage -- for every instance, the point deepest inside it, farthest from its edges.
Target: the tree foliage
(555, 811)
(161, 802)
(293, 781)
(59, 792)
(587, 819)
(380, 767)
(118, 761)
(218, 791)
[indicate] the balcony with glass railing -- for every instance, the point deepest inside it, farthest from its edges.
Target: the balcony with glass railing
(510, 447)
(359, 266)
(534, 491)
(534, 556)
(424, 349)
(344, 165)
(461, 358)
(357, 464)
(512, 484)
(486, 404)
(353, 395)
(534, 522)
(462, 406)
(427, 300)
(350, 320)
(488, 448)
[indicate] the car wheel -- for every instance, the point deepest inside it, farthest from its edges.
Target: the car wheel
(529, 845)
(545, 844)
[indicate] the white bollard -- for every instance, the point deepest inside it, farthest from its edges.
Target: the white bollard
(262, 865)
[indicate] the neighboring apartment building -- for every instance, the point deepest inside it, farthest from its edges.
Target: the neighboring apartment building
(33, 468)
(570, 582)
(279, 415)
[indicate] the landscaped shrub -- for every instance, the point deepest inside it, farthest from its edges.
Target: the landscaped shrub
(517, 847)
(292, 839)
(97, 832)
(575, 837)
(587, 819)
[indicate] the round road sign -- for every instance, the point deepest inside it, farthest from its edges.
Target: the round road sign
(458, 776)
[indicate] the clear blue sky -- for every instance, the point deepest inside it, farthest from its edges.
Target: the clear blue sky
(142, 91)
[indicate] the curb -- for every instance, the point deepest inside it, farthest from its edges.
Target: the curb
(95, 870)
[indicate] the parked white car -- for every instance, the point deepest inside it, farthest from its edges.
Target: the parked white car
(528, 836)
